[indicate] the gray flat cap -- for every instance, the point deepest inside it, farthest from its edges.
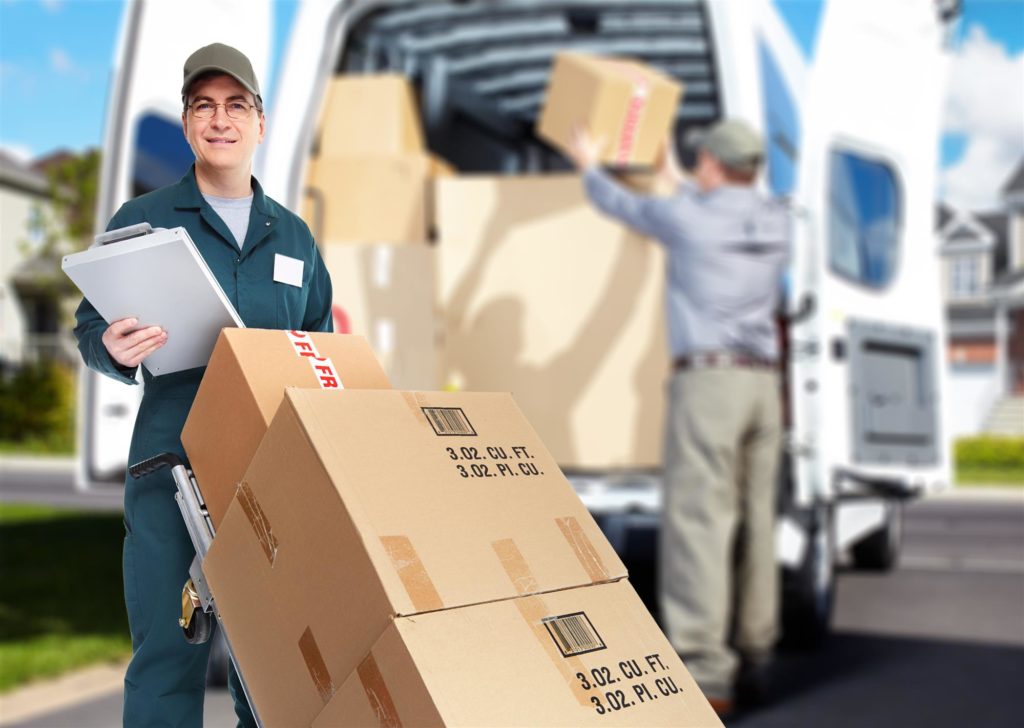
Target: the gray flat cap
(732, 141)
(220, 58)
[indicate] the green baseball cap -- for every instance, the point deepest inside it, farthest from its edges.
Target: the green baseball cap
(733, 142)
(220, 58)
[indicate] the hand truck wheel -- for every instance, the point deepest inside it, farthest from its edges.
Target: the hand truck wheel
(199, 628)
(195, 623)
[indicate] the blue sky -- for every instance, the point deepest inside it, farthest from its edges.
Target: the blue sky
(56, 56)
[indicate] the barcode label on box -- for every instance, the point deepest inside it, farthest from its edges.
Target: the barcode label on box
(448, 421)
(573, 634)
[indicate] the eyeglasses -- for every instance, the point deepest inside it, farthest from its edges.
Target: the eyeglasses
(234, 109)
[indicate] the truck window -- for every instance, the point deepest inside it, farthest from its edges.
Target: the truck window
(865, 219)
(162, 155)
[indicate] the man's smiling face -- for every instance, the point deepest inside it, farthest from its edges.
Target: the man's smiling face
(222, 143)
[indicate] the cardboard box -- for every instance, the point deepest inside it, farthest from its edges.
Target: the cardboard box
(439, 169)
(360, 506)
(591, 656)
(372, 114)
(544, 297)
(369, 198)
(629, 104)
(387, 293)
(242, 388)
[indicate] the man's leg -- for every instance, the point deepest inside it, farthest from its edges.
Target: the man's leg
(757, 618)
(166, 678)
(242, 710)
(698, 525)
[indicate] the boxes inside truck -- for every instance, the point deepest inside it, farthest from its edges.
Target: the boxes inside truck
(544, 297)
(535, 321)
(387, 294)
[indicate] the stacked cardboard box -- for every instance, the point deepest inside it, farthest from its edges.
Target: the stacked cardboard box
(629, 105)
(401, 558)
(590, 656)
(369, 179)
(369, 202)
(243, 387)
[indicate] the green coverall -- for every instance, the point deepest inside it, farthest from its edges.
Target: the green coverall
(165, 681)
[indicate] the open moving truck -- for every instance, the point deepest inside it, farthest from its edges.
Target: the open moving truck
(852, 139)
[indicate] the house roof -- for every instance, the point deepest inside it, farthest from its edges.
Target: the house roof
(1015, 183)
(943, 214)
(53, 159)
(19, 176)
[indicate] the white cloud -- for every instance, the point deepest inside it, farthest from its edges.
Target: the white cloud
(974, 182)
(60, 61)
(20, 152)
(53, 6)
(985, 102)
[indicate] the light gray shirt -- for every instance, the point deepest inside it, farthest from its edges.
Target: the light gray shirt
(727, 250)
(234, 211)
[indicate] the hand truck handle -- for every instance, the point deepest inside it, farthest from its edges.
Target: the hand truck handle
(157, 462)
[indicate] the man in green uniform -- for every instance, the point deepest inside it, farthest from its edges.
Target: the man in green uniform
(241, 233)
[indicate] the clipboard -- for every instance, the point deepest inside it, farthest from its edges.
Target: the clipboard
(159, 277)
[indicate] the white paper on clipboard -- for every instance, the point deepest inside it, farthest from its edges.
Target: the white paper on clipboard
(162, 280)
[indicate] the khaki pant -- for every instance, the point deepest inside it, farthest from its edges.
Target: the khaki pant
(717, 536)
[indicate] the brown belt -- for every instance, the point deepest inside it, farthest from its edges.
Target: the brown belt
(721, 360)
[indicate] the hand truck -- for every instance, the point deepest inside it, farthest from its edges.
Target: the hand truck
(198, 609)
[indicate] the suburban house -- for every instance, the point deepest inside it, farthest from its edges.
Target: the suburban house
(30, 313)
(983, 286)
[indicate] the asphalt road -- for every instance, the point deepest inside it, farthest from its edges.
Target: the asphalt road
(938, 642)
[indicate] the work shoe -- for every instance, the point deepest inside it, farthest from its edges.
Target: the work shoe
(754, 683)
(723, 706)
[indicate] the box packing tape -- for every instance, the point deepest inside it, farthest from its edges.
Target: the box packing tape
(534, 611)
(317, 667)
(412, 573)
(377, 693)
(634, 110)
(323, 368)
(259, 522)
(583, 548)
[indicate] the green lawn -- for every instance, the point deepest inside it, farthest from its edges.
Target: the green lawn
(61, 601)
(1009, 476)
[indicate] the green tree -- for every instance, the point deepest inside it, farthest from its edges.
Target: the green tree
(63, 224)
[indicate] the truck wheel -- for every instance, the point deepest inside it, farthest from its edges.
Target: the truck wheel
(809, 591)
(880, 550)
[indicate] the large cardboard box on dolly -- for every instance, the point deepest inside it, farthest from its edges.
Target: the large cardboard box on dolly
(387, 293)
(590, 656)
(544, 297)
(628, 104)
(242, 388)
(362, 506)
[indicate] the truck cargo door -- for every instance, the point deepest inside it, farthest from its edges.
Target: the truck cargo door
(867, 358)
(144, 148)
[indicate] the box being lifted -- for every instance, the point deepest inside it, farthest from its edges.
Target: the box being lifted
(628, 104)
